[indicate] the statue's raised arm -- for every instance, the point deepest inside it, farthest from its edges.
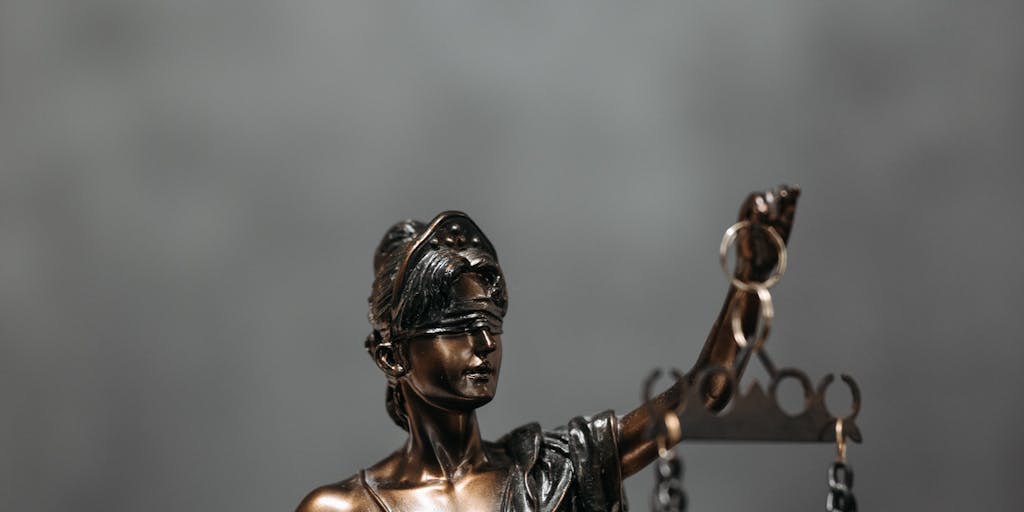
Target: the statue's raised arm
(757, 256)
(436, 310)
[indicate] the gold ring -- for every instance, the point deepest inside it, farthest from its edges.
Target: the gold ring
(767, 313)
(840, 441)
(723, 256)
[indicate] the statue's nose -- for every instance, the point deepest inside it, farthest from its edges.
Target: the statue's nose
(485, 342)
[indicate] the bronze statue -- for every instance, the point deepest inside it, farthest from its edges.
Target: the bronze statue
(436, 308)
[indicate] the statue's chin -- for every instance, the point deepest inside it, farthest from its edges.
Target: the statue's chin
(462, 400)
(474, 401)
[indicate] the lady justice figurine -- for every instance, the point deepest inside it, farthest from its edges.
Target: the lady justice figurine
(436, 308)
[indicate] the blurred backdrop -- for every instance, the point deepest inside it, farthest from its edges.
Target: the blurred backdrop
(191, 191)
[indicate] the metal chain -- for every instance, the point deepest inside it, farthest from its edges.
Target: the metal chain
(840, 484)
(669, 495)
(840, 476)
(766, 311)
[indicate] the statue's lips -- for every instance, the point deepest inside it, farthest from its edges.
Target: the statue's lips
(480, 371)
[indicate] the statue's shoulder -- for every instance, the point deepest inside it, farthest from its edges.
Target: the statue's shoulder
(344, 496)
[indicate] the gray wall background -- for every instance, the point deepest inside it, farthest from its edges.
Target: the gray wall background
(191, 192)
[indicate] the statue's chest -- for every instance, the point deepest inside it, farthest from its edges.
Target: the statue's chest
(472, 493)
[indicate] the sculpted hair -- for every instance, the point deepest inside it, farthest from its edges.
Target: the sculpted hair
(426, 296)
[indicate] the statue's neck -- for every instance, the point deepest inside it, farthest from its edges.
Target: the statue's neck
(443, 444)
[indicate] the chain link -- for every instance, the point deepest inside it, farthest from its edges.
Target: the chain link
(669, 495)
(840, 484)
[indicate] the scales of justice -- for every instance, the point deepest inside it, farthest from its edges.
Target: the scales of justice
(436, 310)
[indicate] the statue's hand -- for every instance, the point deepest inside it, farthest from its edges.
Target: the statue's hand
(775, 208)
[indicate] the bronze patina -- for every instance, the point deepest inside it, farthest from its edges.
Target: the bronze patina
(436, 309)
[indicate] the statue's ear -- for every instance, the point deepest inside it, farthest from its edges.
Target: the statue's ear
(389, 360)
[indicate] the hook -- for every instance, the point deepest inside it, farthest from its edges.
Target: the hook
(840, 441)
(669, 427)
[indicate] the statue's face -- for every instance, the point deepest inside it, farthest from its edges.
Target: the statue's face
(457, 370)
